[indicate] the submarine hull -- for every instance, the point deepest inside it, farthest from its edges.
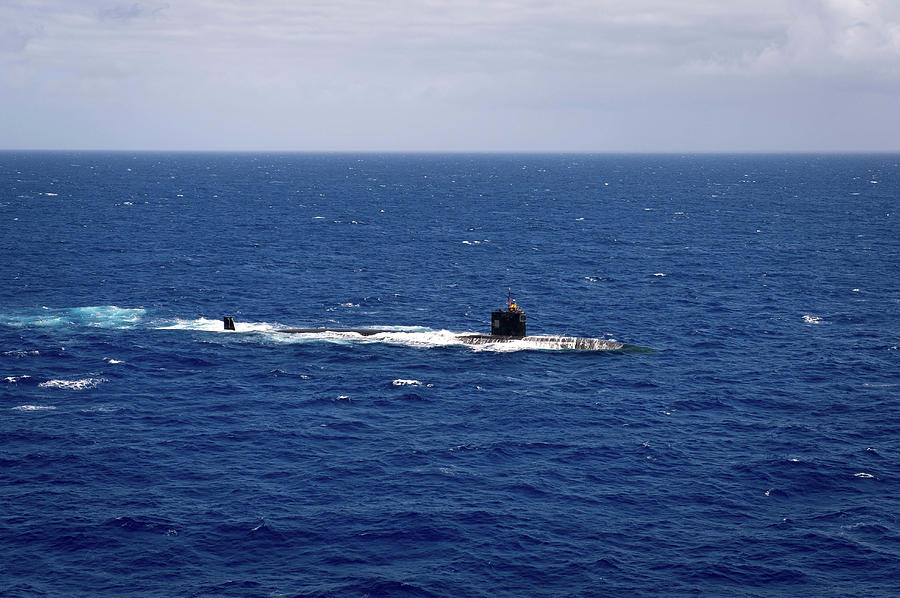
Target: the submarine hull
(550, 342)
(538, 341)
(535, 341)
(362, 331)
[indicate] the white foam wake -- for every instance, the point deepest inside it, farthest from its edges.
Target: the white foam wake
(100, 316)
(419, 338)
(108, 316)
(208, 325)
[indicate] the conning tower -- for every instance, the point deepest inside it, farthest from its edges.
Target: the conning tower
(508, 322)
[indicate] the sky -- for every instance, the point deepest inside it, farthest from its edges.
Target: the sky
(451, 75)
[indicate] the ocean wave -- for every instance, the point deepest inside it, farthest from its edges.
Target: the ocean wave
(100, 409)
(34, 408)
(143, 525)
(81, 384)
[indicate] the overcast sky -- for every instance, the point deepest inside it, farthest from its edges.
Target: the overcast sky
(460, 75)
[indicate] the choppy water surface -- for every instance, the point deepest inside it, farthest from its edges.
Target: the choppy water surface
(144, 451)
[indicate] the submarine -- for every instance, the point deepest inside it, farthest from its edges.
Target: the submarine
(507, 326)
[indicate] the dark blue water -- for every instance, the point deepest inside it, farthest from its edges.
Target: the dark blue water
(145, 452)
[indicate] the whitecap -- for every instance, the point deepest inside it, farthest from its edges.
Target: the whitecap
(402, 382)
(100, 409)
(15, 379)
(34, 408)
(21, 353)
(812, 319)
(660, 274)
(112, 361)
(81, 384)
(863, 474)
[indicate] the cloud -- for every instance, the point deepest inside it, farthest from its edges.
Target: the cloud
(442, 74)
(129, 11)
(13, 39)
(822, 38)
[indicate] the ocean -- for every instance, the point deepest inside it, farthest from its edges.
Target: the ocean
(751, 447)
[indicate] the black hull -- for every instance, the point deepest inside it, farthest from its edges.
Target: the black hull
(362, 331)
(536, 342)
(550, 342)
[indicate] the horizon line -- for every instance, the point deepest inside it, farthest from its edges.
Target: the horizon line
(462, 152)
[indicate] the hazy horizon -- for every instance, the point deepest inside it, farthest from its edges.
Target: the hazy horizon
(454, 152)
(575, 76)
